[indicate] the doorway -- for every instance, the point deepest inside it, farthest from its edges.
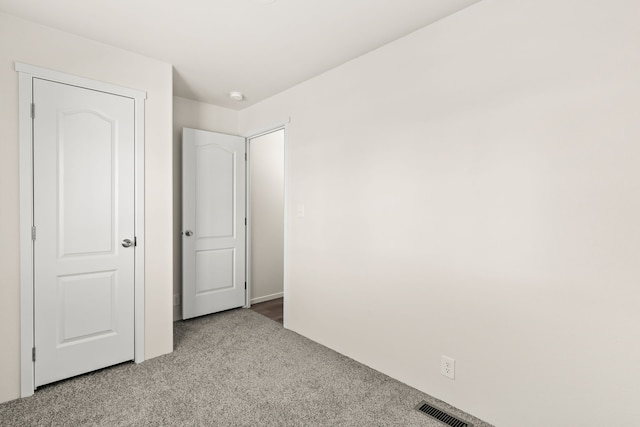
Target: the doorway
(233, 222)
(82, 225)
(267, 222)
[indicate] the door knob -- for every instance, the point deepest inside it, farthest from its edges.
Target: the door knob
(188, 233)
(126, 243)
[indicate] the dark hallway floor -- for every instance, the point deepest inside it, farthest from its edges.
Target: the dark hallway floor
(271, 309)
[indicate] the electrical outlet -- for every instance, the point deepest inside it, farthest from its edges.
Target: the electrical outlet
(448, 367)
(176, 299)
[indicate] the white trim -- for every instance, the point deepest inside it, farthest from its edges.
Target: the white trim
(285, 271)
(71, 79)
(139, 225)
(26, 74)
(260, 131)
(247, 214)
(26, 244)
(285, 308)
(267, 298)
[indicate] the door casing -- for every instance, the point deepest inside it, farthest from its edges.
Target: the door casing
(283, 125)
(26, 74)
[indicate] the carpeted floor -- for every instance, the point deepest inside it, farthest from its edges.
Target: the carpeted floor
(236, 368)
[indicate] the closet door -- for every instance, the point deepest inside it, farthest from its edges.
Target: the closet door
(83, 160)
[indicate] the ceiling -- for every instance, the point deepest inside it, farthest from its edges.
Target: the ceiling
(258, 47)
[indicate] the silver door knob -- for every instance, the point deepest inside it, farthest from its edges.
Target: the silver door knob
(126, 243)
(188, 233)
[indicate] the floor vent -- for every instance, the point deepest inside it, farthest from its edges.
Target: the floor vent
(440, 415)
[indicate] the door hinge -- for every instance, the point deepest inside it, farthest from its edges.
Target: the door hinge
(135, 241)
(33, 110)
(245, 221)
(245, 286)
(245, 154)
(33, 232)
(33, 354)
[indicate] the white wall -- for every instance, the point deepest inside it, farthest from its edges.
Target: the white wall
(196, 115)
(267, 216)
(473, 190)
(33, 44)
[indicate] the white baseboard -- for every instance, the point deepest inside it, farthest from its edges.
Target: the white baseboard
(266, 298)
(177, 310)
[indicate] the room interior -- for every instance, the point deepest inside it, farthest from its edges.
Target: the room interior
(470, 190)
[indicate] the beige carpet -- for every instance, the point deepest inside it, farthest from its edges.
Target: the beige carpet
(236, 368)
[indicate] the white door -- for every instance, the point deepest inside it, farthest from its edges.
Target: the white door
(83, 151)
(213, 222)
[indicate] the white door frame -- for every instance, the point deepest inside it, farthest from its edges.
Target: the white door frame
(26, 74)
(285, 287)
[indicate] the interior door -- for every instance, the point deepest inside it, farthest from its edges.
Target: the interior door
(83, 152)
(213, 220)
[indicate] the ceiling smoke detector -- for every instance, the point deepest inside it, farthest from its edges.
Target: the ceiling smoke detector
(236, 96)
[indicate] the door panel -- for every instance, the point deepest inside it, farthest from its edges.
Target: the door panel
(83, 209)
(86, 306)
(87, 208)
(215, 207)
(214, 270)
(213, 180)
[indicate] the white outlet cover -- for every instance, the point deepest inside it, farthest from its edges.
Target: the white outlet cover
(448, 367)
